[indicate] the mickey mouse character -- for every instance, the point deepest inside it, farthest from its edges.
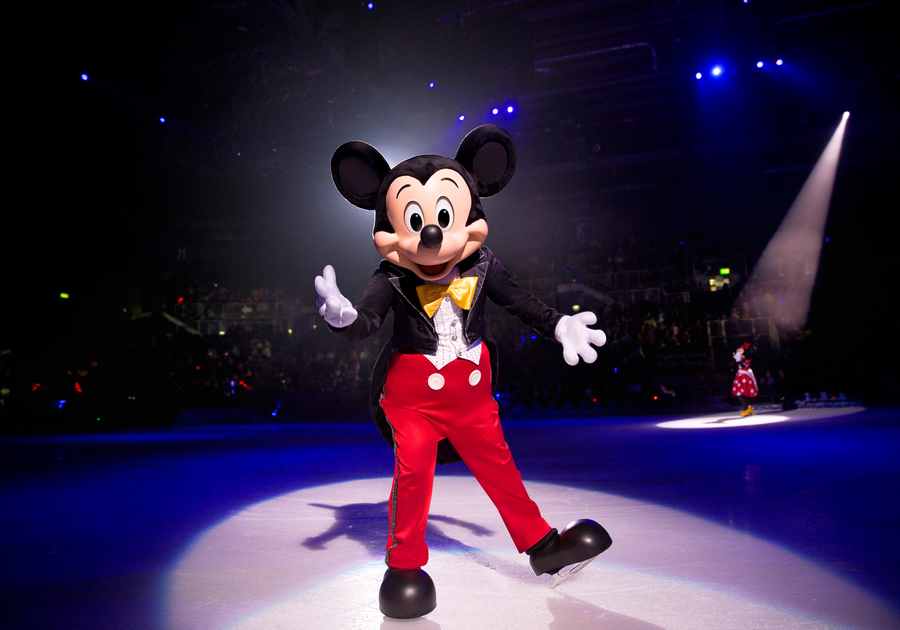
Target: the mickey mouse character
(432, 387)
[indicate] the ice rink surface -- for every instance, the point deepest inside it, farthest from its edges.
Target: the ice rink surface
(716, 523)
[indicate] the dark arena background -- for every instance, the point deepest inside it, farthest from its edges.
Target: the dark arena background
(184, 445)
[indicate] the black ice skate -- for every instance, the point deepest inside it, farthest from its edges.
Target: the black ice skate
(579, 543)
(406, 593)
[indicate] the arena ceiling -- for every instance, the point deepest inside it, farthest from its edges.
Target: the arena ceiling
(611, 123)
(604, 81)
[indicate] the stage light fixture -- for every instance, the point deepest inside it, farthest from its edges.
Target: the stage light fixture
(84, 77)
(779, 62)
(462, 117)
(759, 64)
(509, 109)
(431, 85)
(846, 115)
(717, 70)
(162, 119)
(495, 111)
(370, 6)
(699, 75)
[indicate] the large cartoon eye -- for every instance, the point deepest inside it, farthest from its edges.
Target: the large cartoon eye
(444, 212)
(413, 217)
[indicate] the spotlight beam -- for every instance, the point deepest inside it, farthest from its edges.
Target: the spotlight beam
(782, 283)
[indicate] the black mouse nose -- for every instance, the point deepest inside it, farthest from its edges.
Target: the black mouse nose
(431, 236)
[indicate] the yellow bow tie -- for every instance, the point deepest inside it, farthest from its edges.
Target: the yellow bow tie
(462, 291)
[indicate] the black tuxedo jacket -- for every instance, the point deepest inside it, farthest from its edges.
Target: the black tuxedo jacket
(393, 289)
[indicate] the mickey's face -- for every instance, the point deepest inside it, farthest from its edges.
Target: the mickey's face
(430, 233)
(427, 228)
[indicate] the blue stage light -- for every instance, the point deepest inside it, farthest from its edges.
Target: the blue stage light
(162, 119)
(759, 64)
(462, 117)
(779, 62)
(370, 6)
(431, 85)
(84, 77)
(495, 111)
(716, 71)
(509, 109)
(699, 75)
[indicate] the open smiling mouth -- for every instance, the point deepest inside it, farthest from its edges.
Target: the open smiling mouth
(432, 270)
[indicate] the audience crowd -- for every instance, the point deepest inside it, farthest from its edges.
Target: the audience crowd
(659, 356)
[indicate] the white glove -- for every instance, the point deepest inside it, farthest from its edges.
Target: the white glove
(576, 338)
(334, 307)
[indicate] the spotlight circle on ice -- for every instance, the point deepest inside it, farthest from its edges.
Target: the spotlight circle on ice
(326, 580)
(734, 419)
(722, 421)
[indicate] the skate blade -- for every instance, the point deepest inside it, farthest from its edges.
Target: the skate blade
(559, 578)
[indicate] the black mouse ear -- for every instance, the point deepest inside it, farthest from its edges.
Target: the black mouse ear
(358, 170)
(489, 154)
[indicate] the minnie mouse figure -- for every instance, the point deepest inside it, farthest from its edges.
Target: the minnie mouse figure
(432, 386)
(744, 386)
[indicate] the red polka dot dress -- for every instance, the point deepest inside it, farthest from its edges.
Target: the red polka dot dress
(744, 381)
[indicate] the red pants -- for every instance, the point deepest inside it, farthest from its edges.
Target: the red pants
(463, 410)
